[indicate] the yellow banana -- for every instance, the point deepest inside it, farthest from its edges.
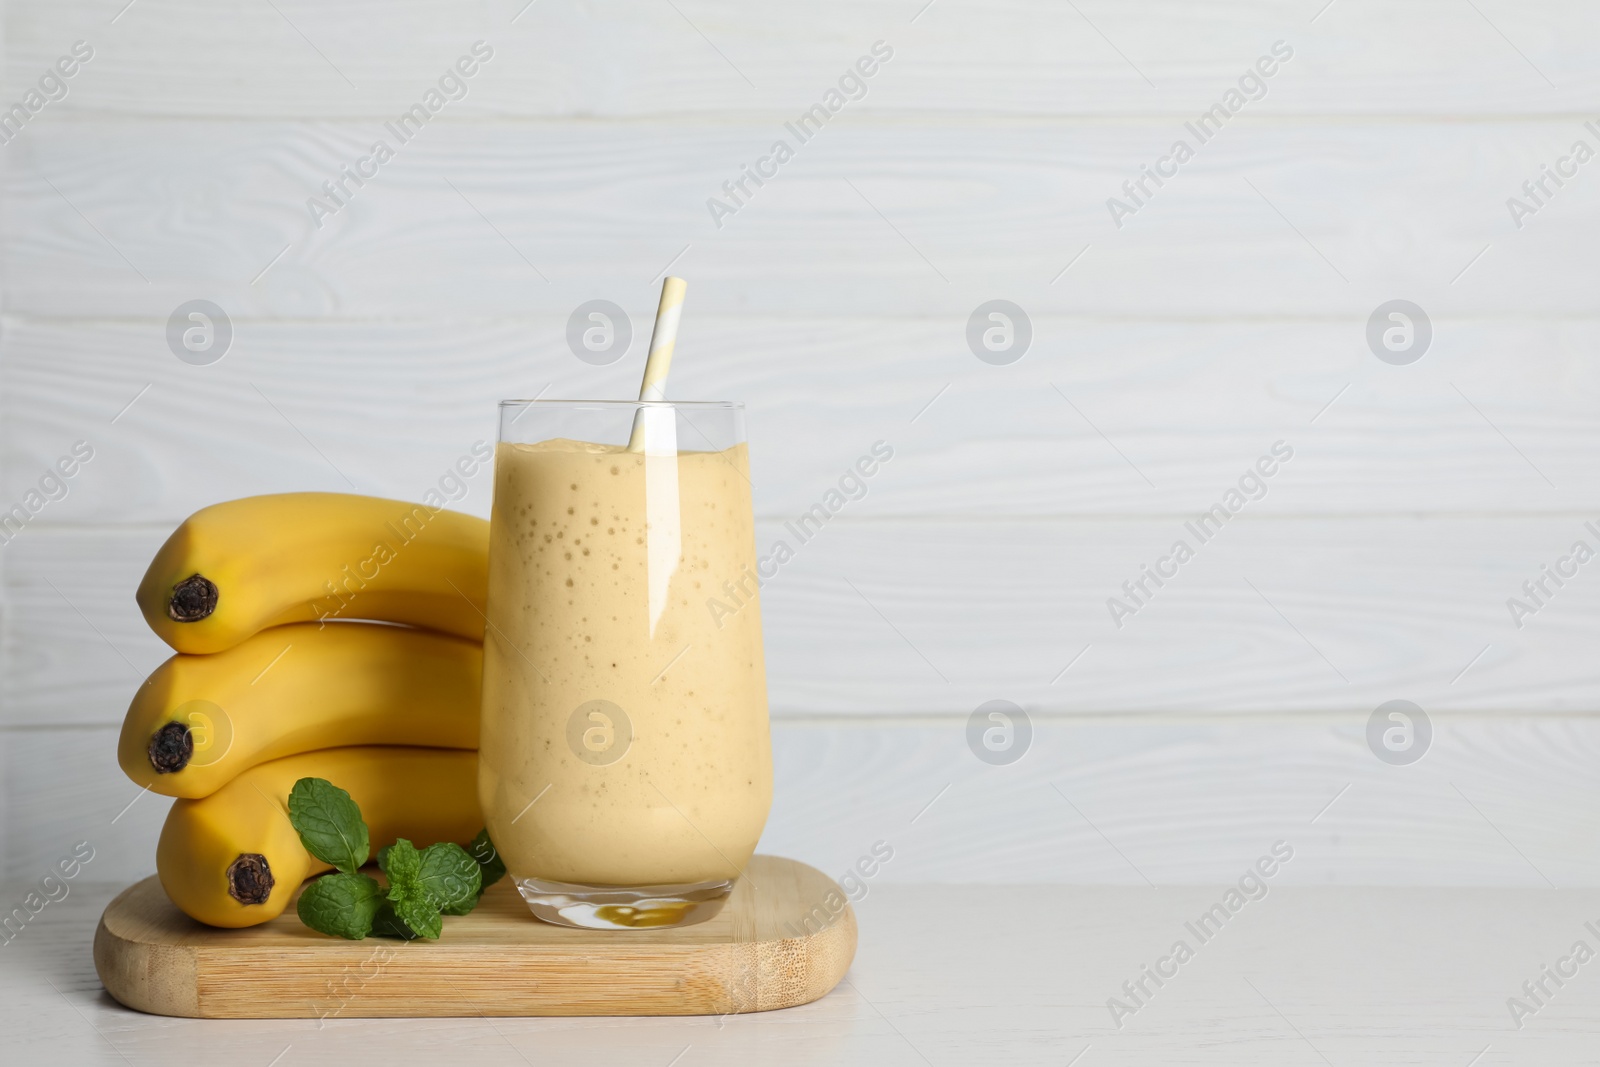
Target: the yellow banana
(233, 569)
(200, 720)
(233, 859)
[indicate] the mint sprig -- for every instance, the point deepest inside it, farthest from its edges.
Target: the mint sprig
(424, 885)
(413, 905)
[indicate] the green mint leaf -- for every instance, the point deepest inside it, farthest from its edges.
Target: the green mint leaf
(488, 857)
(329, 823)
(387, 924)
(402, 865)
(451, 877)
(342, 905)
(420, 914)
(413, 905)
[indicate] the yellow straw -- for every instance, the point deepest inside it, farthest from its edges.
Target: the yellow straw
(662, 342)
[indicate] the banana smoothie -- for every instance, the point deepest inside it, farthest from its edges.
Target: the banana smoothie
(624, 732)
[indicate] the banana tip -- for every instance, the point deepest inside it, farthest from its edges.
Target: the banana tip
(192, 599)
(171, 748)
(250, 879)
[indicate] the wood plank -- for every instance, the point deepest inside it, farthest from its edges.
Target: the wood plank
(1498, 800)
(941, 217)
(756, 954)
(1105, 418)
(78, 657)
(915, 617)
(630, 58)
(60, 786)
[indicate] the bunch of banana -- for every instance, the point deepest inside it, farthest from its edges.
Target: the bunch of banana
(318, 635)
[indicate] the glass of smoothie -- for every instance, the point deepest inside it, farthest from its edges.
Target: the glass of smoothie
(625, 765)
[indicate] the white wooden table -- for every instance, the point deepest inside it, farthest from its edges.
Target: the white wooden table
(973, 974)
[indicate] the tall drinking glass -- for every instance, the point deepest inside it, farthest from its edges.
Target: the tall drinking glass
(625, 766)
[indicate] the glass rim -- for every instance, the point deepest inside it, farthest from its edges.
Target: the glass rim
(728, 405)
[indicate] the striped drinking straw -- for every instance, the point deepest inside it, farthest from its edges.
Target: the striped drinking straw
(662, 341)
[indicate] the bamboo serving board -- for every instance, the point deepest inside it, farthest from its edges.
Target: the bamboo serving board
(755, 955)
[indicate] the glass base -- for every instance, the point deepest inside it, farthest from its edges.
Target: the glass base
(621, 907)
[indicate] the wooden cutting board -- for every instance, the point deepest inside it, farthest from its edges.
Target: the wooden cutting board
(759, 953)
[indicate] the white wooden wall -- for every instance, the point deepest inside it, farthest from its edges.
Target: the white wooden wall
(1228, 314)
